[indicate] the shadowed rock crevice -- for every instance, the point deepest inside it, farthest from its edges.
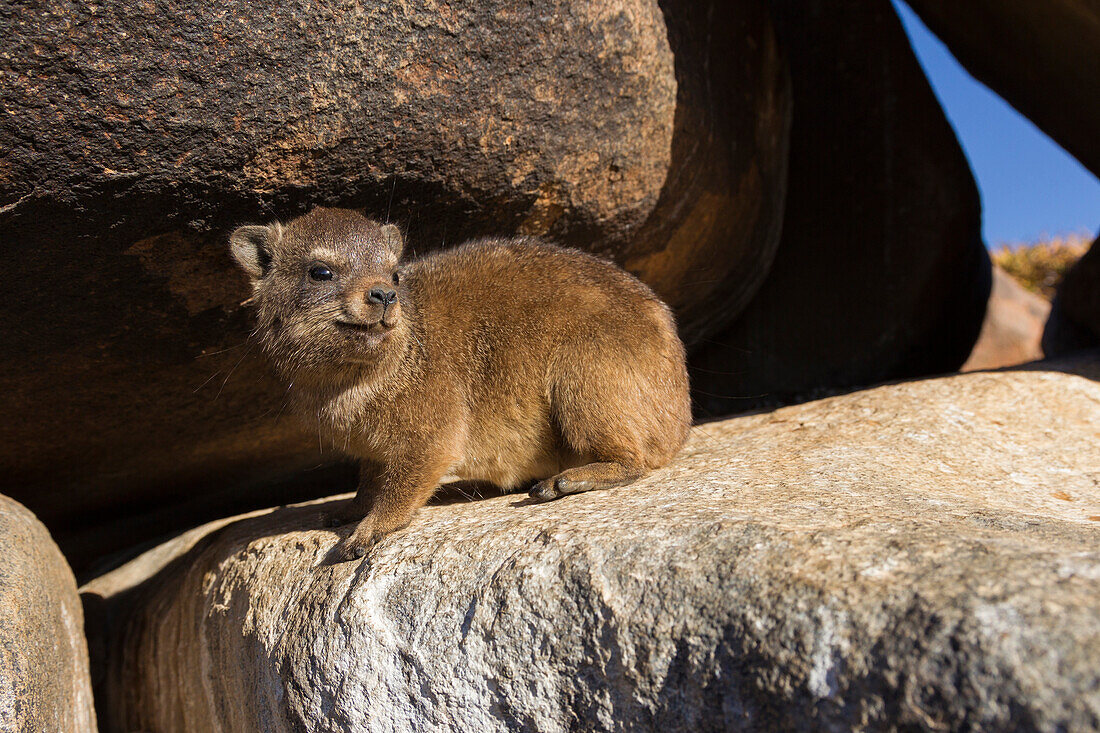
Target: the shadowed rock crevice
(881, 272)
(1041, 57)
(1074, 322)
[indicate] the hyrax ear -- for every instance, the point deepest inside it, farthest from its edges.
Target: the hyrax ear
(391, 236)
(251, 248)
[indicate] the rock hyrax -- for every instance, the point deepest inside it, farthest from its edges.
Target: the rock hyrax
(505, 360)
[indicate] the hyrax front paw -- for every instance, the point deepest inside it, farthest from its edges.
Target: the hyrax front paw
(352, 548)
(357, 544)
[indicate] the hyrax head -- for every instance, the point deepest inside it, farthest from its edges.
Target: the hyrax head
(328, 291)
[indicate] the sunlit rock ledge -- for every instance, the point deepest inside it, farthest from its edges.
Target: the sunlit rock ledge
(921, 554)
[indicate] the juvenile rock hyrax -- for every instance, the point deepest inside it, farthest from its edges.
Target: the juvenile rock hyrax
(506, 360)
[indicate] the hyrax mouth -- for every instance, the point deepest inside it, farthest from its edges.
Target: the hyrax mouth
(365, 334)
(363, 328)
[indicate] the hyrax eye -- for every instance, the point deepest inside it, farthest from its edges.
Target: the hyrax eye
(396, 277)
(320, 273)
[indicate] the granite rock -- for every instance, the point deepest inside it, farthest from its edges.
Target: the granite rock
(44, 679)
(1013, 326)
(922, 555)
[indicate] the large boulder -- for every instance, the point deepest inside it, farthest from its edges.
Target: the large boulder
(1013, 327)
(134, 136)
(44, 679)
(881, 272)
(1074, 322)
(923, 555)
(1040, 55)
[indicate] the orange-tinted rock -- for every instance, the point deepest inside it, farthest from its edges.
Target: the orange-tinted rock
(1013, 326)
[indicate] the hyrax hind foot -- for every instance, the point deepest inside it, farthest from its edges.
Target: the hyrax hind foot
(586, 478)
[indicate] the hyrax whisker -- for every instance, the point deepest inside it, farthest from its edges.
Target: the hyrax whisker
(221, 351)
(230, 374)
(532, 364)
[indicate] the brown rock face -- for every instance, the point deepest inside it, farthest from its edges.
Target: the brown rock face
(1074, 322)
(44, 680)
(135, 136)
(1040, 56)
(919, 556)
(1013, 326)
(881, 272)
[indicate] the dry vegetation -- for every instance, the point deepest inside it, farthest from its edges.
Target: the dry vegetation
(1039, 266)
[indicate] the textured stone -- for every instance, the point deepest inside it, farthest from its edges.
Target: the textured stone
(44, 679)
(135, 135)
(1074, 322)
(881, 273)
(1013, 326)
(1039, 55)
(923, 555)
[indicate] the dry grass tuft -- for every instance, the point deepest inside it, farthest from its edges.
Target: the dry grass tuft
(1039, 266)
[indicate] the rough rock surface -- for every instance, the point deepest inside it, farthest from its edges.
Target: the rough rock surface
(135, 135)
(44, 680)
(881, 272)
(1013, 326)
(1074, 322)
(923, 555)
(1040, 56)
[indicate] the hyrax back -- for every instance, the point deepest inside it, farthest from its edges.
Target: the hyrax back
(506, 360)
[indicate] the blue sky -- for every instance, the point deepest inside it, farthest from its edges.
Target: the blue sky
(1030, 187)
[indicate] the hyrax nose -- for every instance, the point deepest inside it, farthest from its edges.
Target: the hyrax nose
(381, 296)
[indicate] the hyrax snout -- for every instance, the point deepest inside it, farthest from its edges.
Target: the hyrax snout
(511, 361)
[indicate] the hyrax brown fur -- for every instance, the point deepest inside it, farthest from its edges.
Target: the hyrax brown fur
(505, 360)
